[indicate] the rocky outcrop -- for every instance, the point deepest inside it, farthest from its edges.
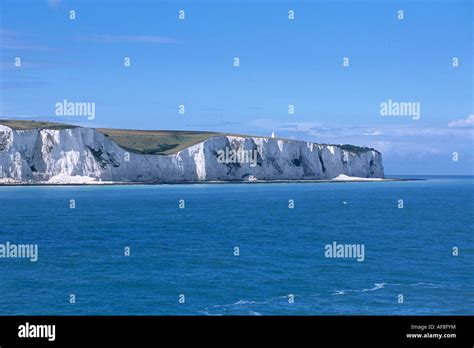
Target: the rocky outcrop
(84, 155)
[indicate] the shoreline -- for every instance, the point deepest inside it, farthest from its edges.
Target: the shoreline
(123, 183)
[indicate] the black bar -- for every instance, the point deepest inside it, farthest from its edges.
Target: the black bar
(289, 330)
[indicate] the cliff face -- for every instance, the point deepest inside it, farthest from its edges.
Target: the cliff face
(83, 155)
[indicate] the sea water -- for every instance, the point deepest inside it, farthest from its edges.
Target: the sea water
(222, 249)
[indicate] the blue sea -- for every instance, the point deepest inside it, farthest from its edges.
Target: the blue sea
(281, 266)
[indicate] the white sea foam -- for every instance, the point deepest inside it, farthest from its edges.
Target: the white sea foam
(343, 177)
(377, 286)
(240, 306)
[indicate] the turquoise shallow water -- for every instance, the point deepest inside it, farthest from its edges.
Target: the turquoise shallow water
(191, 251)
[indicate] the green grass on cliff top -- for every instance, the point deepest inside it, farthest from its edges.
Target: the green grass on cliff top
(156, 142)
(27, 125)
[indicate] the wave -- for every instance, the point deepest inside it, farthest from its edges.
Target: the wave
(240, 305)
(378, 286)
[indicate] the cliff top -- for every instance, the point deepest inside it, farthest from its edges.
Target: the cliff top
(155, 142)
(28, 125)
(158, 142)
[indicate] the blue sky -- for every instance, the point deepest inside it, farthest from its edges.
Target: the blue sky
(282, 62)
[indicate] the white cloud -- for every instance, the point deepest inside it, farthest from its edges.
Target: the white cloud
(399, 142)
(106, 38)
(300, 127)
(388, 130)
(466, 122)
(14, 40)
(373, 133)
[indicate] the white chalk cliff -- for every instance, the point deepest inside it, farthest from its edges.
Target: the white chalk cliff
(84, 155)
